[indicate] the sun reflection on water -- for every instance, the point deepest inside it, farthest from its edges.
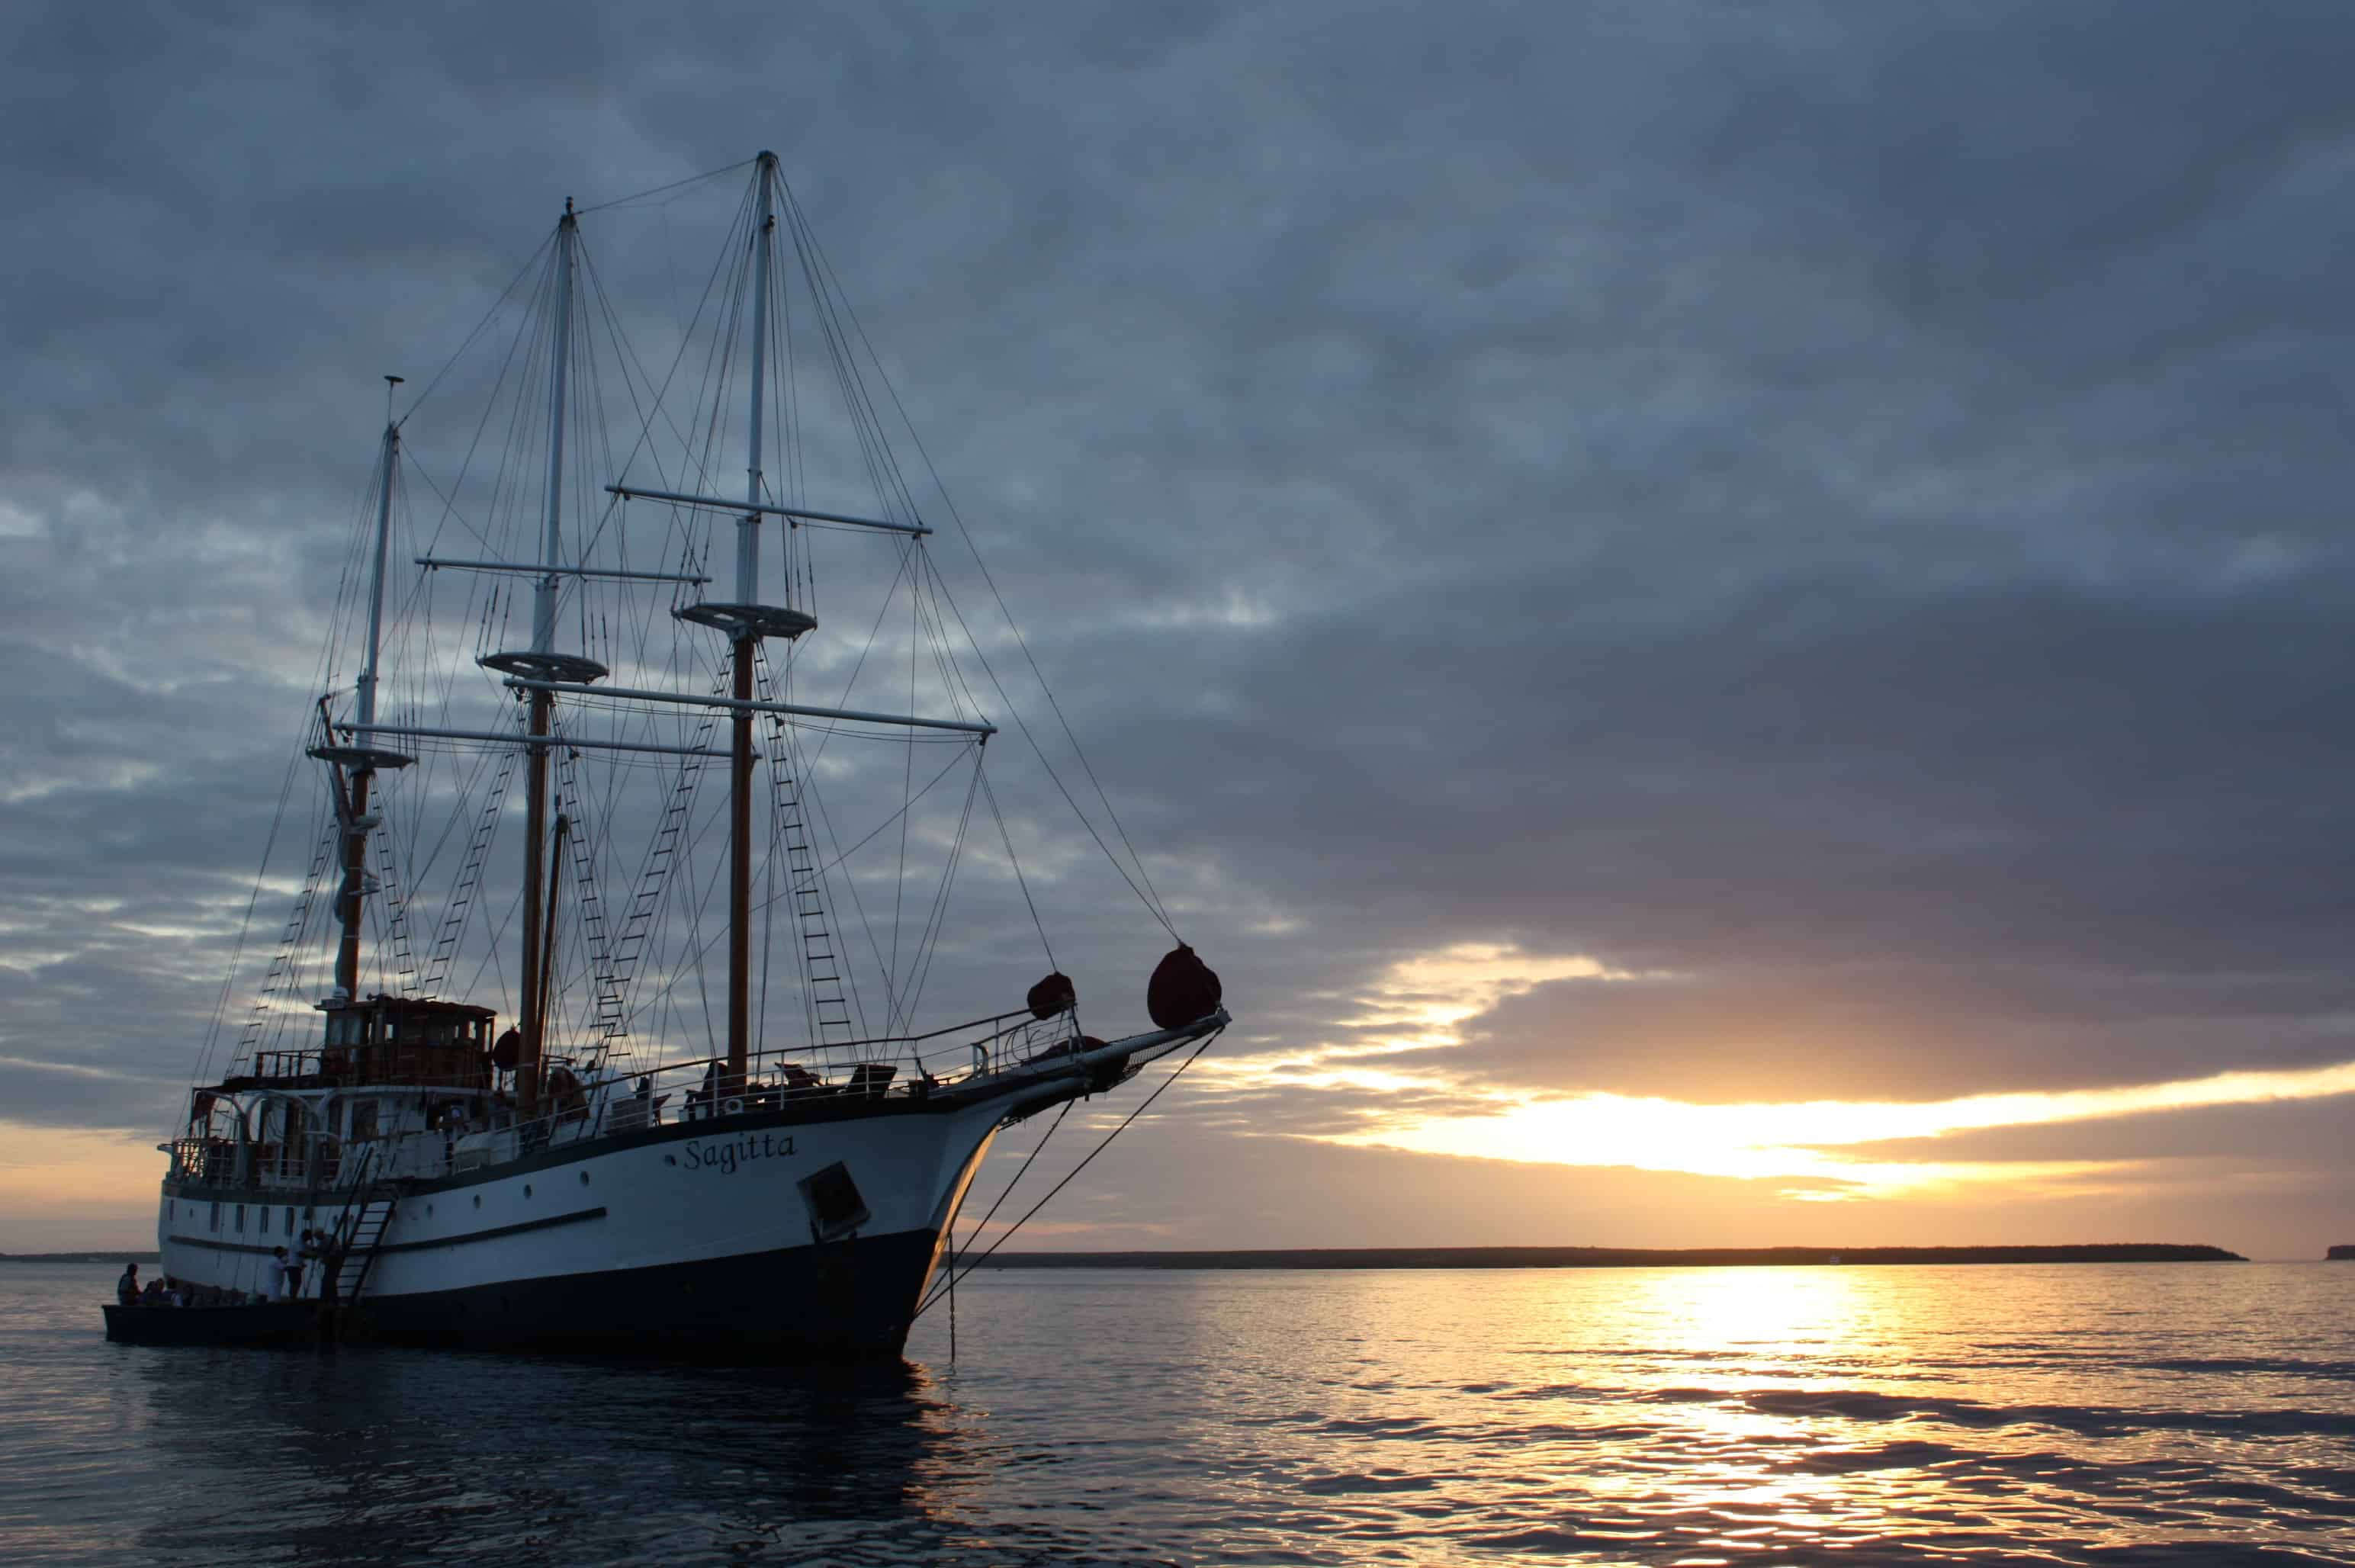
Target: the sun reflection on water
(2084, 1414)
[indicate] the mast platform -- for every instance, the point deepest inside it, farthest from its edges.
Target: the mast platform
(542, 663)
(754, 622)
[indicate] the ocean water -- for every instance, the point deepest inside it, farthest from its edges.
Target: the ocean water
(2157, 1413)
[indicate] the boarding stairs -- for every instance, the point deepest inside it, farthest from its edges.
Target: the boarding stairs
(371, 1213)
(359, 1231)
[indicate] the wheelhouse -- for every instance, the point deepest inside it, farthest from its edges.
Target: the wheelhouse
(398, 1075)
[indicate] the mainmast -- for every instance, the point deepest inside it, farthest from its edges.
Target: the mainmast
(744, 647)
(746, 622)
(544, 662)
(356, 764)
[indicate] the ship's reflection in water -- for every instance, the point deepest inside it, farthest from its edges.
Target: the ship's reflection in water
(379, 1456)
(2175, 1413)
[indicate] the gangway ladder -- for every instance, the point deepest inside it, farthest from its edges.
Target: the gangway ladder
(359, 1230)
(370, 1214)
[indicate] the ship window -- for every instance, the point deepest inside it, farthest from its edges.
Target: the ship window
(216, 1219)
(261, 1219)
(241, 1218)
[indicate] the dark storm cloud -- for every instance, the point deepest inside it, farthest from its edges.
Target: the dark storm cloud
(1839, 504)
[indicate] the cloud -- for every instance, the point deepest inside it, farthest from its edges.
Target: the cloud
(1832, 515)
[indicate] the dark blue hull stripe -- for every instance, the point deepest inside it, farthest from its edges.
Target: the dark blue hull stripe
(459, 1241)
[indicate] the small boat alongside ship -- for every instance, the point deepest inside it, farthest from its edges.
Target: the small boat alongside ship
(692, 1129)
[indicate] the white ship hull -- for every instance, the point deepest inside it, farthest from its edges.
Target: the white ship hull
(694, 1239)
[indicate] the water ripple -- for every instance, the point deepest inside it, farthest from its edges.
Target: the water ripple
(2159, 1414)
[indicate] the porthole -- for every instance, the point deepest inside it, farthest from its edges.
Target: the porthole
(584, 1179)
(429, 1211)
(478, 1200)
(526, 1189)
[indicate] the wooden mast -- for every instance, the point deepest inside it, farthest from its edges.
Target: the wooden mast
(359, 762)
(547, 930)
(533, 1025)
(744, 647)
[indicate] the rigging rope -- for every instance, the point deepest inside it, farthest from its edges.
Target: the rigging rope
(1147, 893)
(1072, 1174)
(658, 190)
(1027, 1160)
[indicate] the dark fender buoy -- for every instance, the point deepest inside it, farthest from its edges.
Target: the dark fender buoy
(1053, 994)
(1182, 990)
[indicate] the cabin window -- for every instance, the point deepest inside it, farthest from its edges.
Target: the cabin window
(363, 1119)
(240, 1218)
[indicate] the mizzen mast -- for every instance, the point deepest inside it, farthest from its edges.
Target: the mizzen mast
(354, 765)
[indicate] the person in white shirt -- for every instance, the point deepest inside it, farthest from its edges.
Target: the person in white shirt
(280, 1287)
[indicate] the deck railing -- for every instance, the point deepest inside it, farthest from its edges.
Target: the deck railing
(606, 1099)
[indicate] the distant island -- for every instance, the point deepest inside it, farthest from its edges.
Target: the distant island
(1621, 1257)
(2340, 1256)
(1518, 1257)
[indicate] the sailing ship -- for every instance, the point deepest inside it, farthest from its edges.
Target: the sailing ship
(620, 1158)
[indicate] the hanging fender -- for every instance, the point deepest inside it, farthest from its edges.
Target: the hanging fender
(1182, 990)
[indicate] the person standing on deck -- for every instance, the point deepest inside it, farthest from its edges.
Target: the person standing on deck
(126, 1289)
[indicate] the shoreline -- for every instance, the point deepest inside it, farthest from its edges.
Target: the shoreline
(1613, 1257)
(1503, 1257)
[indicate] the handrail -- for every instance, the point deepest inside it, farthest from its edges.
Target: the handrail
(774, 1078)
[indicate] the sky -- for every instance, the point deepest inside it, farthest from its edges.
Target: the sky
(1723, 619)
